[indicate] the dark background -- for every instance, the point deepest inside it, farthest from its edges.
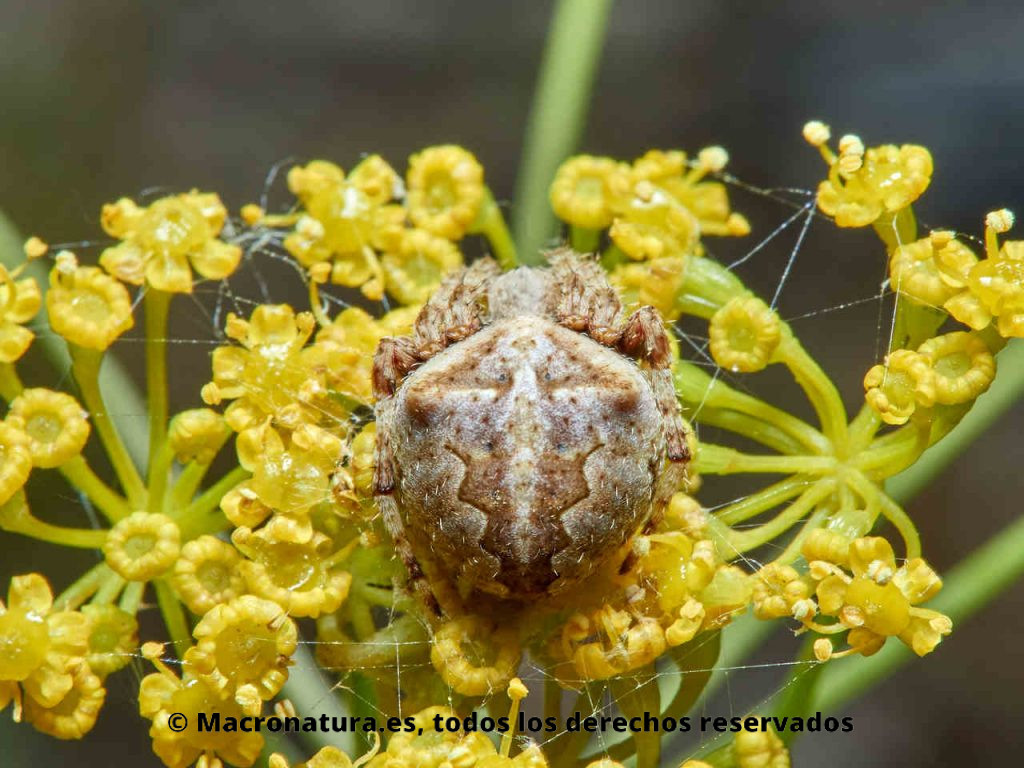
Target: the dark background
(107, 98)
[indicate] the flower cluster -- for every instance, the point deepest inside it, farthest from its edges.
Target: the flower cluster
(854, 586)
(290, 532)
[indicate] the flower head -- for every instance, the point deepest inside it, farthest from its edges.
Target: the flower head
(296, 575)
(445, 190)
(54, 423)
(15, 459)
(113, 638)
(744, 334)
(75, 714)
(247, 641)
(197, 435)
(41, 647)
(161, 240)
(892, 388)
(347, 220)
(584, 189)
(142, 546)
(864, 184)
(19, 302)
(87, 307)
(475, 657)
(416, 263)
(163, 694)
(206, 574)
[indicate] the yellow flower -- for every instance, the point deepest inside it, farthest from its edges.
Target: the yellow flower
(417, 263)
(584, 188)
(87, 307)
(328, 757)
(425, 747)
(744, 334)
(878, 600)
(273, 374)
(862, 185)
(247, 641)
(54, 423)
(962, 368)
(892, 388)
(656, 282)
(760, 749)
(41, 647)
(297, 575)
(163, 693)
(15, 459)
(294, 478)
(19, 302)
(142, 546)
(651, 224)
(780, 591)
(445, 189)
(76, 713)
(206, 574)
(474, 656)
(931, 270)
(347, 220)
(113, 638)
(197, 435)
(161, 240)
(707, 201)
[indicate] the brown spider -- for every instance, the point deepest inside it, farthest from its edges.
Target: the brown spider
(519, 446)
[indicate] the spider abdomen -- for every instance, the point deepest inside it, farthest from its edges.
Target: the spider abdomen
(525, 456)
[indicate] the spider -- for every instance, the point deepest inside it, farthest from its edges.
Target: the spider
(519, 444)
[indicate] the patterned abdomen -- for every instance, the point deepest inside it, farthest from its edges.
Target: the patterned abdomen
(530, 445)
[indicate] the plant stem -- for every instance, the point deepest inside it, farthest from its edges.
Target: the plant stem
(78, 472)
(174, 617)
(157, 304)
(557, 116)
(86, 367)
(312, 696)
(492, 225)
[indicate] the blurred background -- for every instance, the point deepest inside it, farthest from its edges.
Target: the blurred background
(111, 98)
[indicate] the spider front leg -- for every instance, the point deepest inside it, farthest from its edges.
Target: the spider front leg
(644, 337)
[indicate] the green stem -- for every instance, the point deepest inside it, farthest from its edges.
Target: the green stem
(109, 589)
(16, 517)
(112, 504)
(492, 224)
(584, 240)
(82, 589)
(313, 696)
(763, 500)
(720, 460)
(969, 587)
(174, 617)
(132, 597)
(157, 307)
(86, 367)
(10, 383)
(746, 540)
(557, 116)
(159, 473)
(818, 387)
(209, 500)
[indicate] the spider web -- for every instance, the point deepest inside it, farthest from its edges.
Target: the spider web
(268, 275)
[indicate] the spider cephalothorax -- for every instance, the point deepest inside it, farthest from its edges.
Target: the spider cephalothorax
(519, 445)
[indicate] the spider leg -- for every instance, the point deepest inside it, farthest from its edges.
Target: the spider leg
(455, 311)
(644, 337)
(583, 299)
